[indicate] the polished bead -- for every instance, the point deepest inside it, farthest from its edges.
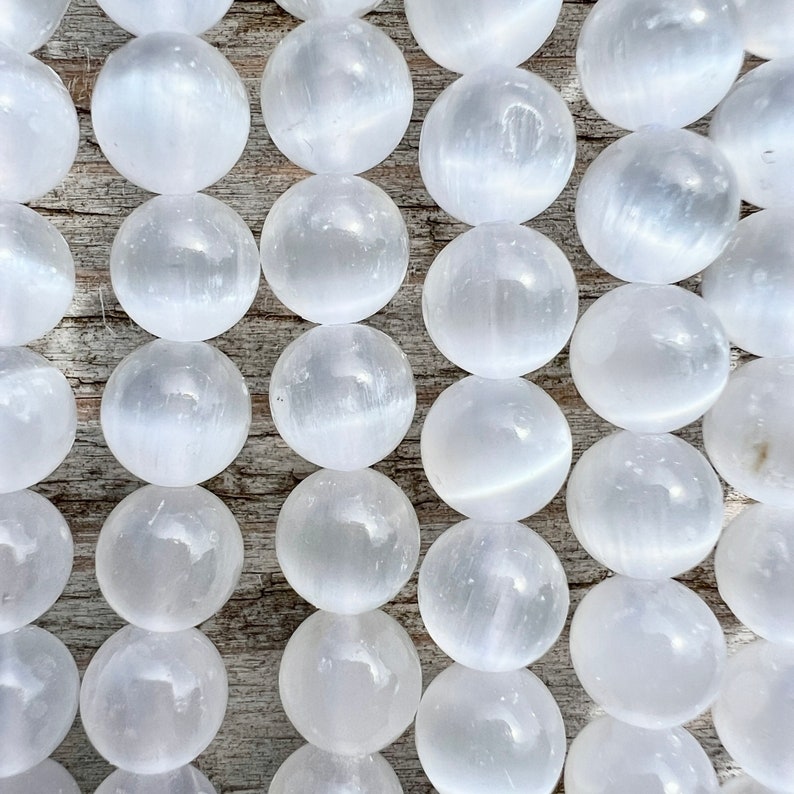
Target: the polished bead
(336, 95)
(767, 27)
(347, 541)
(308, 9)
(490, 733)
(496, 450)
(469, 35)
(39, 687)
(27, 25)
(38, 418)
(350, 684)
(185, 267)
(48, 777)
(342, 396)
(153, 16)
(658, 61)
(151, 702)
(745, 785)
(184, 780)
(334, 248)
(500, 300)
(170, 113)
(494, 597)
(646, 506)
(497, 145)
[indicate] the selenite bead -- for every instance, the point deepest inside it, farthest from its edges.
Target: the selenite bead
(342, 396)
(334, 248)
(169, 558)
(311, 771)
(649, 358)
(49, 777)
(500, 300)
(745, 785)
(610, 757)
(494, 597)
(749, 433)
(466, 36)
(170, 113)
(38, 418)
(307, 9)
(646, 506)
(490, 732)
(36, 552)
(657, 205)
(39, 687)
(658, 61)
(184, 780)
(767, 27)
(140, 17)
(150, 701)
(185, 267)
(496, 450)
(754, 713)
(650, 653)
(175, 413)
(347, 542)
(752, 128)
(754, 566)
(336, 95)
(350, 684)
(27, 25)
(38, 127)
(497, 145)
(37, 272)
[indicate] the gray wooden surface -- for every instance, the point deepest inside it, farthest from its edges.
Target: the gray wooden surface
(253, 628)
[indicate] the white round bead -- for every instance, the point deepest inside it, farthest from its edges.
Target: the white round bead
(350, 684)
(48, 777)
(646, 506)
(150, 701)
(494, 597)
(336, 95)
(490, 733)
(334, 248)
(650, 653)
(497, 145)
(745, 785)
(140, 17)
(500, 300)
(308, 9)
(175, 413)
(496, 450)
(658, 61)
(184, 780)
(767, 27)
(170, 113)
(26, 25)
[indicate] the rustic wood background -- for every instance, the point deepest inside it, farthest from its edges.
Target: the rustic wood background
(253, 628)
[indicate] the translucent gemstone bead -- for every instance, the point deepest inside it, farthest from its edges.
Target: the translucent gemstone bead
(38, 418)
(169, 558)
(751, 127)
(745, 785)
(610, 757)
(35, 557)
(185, 267)
(47, 777)
(153, 16)
(749, 433)
(39, 687)
(650, 653)
(494, 733)
(657, 206)
(496, 450)
(658, 61)
(466, 36)
(37, 272)
(170, 113)
(754, 714)
(494, 597)
(176, 413)
(151, 702)
(184, 780)
(312, 771)
(38, 127)
(754, 566)
(334, 248)
(497, 145)
(336, 95)
(767, 27)
(307, 9)
(26, 25)
(500, 300)
(649, 358)
(350, 684)
(347, 541)
(646, 506)
(342, 396)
